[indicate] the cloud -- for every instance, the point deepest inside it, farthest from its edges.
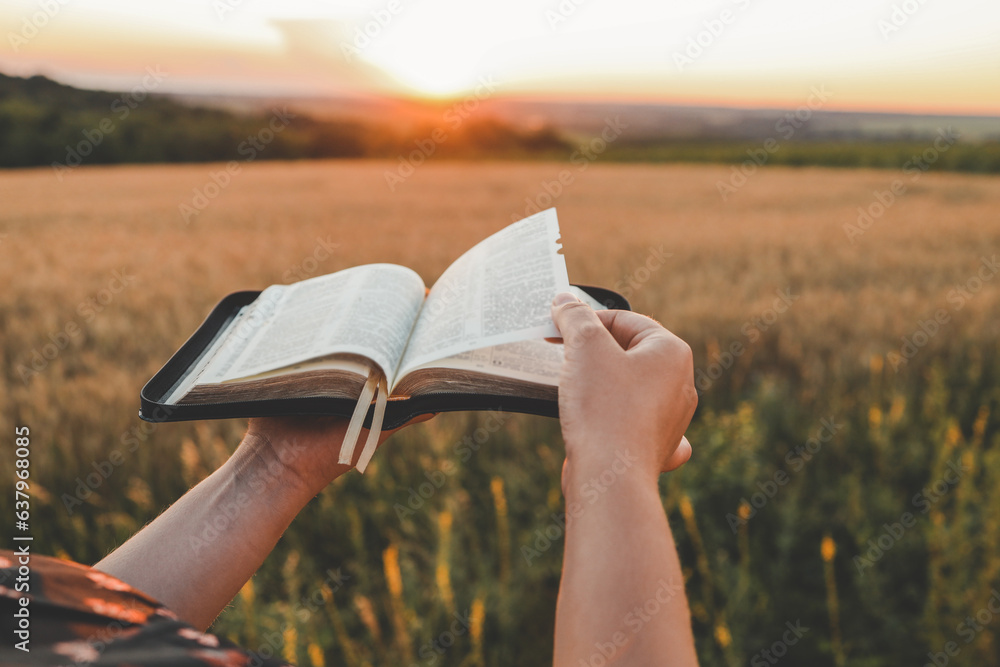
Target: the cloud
(324, 52)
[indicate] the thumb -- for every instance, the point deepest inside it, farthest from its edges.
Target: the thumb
(579, 325)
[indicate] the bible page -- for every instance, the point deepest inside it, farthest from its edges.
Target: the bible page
(230, 342)
(536, 361)
(366, 310)
(498, 292)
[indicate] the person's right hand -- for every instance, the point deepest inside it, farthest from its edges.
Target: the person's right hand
(626, 389)
(626, 395)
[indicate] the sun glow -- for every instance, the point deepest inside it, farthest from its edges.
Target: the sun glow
(441, 52)
(734, 52)
(427, 76)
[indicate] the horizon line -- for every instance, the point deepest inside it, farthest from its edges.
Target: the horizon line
(548, 98)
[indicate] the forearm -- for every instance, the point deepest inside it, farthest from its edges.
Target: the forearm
(622, 591)
(197, 555)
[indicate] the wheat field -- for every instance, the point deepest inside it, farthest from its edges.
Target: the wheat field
(847, 368)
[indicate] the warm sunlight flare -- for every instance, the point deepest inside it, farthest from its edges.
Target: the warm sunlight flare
(433, 53)
(909, 55)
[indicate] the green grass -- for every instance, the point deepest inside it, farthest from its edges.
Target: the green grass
(964, 157)
(403, 575)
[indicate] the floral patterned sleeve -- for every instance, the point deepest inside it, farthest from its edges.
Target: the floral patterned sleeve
(79, 616)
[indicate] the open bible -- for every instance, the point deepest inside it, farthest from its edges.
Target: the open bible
(374, 343)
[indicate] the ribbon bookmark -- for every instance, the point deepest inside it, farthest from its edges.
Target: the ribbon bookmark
(376, 429)
(358, 418)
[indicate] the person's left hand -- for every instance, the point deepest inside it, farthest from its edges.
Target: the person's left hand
(305, 449)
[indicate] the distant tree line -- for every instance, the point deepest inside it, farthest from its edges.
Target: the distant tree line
(909, 155)
(44, 123)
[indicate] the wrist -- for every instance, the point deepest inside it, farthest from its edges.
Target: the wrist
(306, 449)
(259, 466)
(592, 472)
(593, 453)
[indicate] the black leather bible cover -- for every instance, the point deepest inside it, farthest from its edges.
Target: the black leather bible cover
(398, 411)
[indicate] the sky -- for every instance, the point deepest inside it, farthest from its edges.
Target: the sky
(921, 56)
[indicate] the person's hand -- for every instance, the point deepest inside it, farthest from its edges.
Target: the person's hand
(304, 450)
(202, 550)
(626, 396)
(626, 389)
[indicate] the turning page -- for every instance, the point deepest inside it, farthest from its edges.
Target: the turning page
(498, 292)
(536, 361)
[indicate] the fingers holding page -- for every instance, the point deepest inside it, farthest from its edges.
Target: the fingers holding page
(573, 318)
(626, 382)
(580, 327)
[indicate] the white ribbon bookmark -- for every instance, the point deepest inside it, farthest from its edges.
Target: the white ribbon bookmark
(358, 418)
(376, 428)
(375, 386)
